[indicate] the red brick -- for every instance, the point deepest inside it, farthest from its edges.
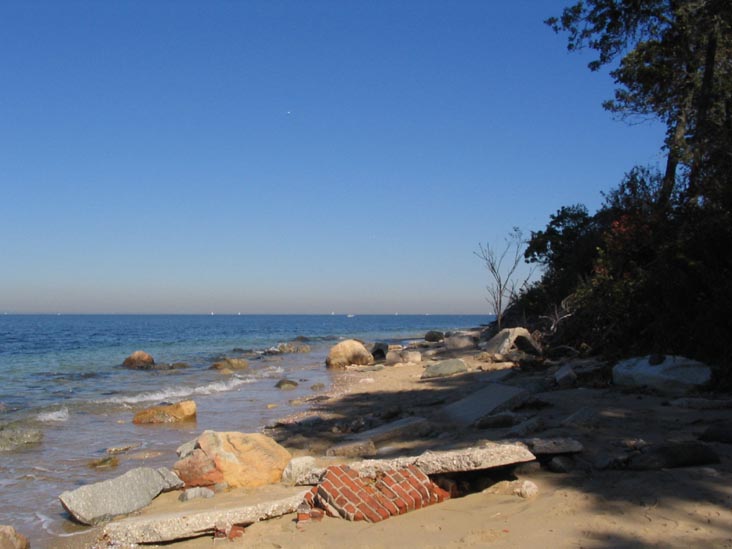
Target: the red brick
(316, 514)
(420, 488)
(369, 514)
(389, 506)
(358, 515)
(352, 473)
(405, 497)
(347, 481)
(418, 503)
(375, 505)
(441, 494)
(236, 532)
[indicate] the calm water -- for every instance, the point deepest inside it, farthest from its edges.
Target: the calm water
(61, 375)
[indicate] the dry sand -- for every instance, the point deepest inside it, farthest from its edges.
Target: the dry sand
(683, 507)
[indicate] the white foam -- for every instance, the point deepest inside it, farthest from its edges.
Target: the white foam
(56, 415)
(180, 392)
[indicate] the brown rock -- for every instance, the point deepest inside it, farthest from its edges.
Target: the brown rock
(236, 459)
(139, 359)
(11, 539)
(230, 364)
(173, 413)
(348, 352)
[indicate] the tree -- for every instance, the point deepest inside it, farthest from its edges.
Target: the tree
(504, 285)
(674, 65)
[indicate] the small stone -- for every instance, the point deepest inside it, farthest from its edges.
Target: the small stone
(357, 448)
(317, 386)
(560, 464)
(286, 384)
(107, 462)
(195, 493)
(230, 364)
(526, 489)
(139, 360)
(10, 538)
(297, 468)
(565, 377)
(173, 413)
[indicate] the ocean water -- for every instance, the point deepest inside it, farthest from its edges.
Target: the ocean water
(61, 379)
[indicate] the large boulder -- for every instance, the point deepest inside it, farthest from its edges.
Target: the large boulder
(348, 352)
(11, 539)
(510, 339)
(670, 374)
(102, 501)
(433, 336)
(139, 360)
(231, 458)
(173, 413)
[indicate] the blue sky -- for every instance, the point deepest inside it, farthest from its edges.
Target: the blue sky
(287, 156)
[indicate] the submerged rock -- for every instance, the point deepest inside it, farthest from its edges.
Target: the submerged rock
(173, 413)
(348, 352)
(102, 501)
(15, 437)
(139, 360)
(286, 384)
(230, 364)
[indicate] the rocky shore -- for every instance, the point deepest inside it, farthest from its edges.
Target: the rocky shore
(460, 440)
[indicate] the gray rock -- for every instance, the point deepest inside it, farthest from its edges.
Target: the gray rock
(673, 375)
(673, 454)
(102, 501)
(522, 488)
(490, 399)
(526, 428)
(286, 384)
(171, 481)
(550, 446)
(565, 377)
(379, 350)
(718, 433)
(433, 336)
(560, 464)
(413, 357)
(186, 449)
(512, 338)
(458, 342)
(15, 437)
(298, 468)
(196, 493)
(584, 418)
(496, 421)
(445, 368)
(393, 357)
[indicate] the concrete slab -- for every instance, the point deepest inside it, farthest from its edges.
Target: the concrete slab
(488, 400)
(414, 426)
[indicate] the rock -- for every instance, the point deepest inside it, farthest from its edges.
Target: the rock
(237, 459)
(296, 347)
(11, 539)
(317, 386)
(348, 352)
(458, 342)
(230, 364)
(560, 464)
(433, 336)
(496, 421)
(672, 454)
(585, 418)
(102, 501)
(379, 350)
(139, 360)
(15, 437)
(173, 413)
(674, 375)
(115, 450)
(356, 448)
(565, 377)
(286, 384)
(549, 446)
(512, 338)
(488, 400)
(527, 427)
(445, 368)
(196, 493)
(298, 468)
(702, 403)
(411, 357)
(718, 433)
(393, 357)
(522, 488)
(186, 449)
(107, 462)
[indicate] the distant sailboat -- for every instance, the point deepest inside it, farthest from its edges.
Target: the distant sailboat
(350, 316)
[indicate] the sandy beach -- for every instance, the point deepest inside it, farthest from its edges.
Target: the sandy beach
(584, 505)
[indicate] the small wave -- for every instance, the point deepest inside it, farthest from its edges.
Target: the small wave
(56, 415)
(179, 392)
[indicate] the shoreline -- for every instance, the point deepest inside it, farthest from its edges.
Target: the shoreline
(582, 506)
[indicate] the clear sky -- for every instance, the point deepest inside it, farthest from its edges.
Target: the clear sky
(287, 156)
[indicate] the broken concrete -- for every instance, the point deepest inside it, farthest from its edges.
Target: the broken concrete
(102, 501)
(354, 448)
(512, 338)
(673, 375)
(414, 426)
(188, 524)
(445, 368)
(492, 398)
(474, 458)
(565, 377)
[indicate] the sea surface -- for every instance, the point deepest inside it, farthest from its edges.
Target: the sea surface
(61, 380)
